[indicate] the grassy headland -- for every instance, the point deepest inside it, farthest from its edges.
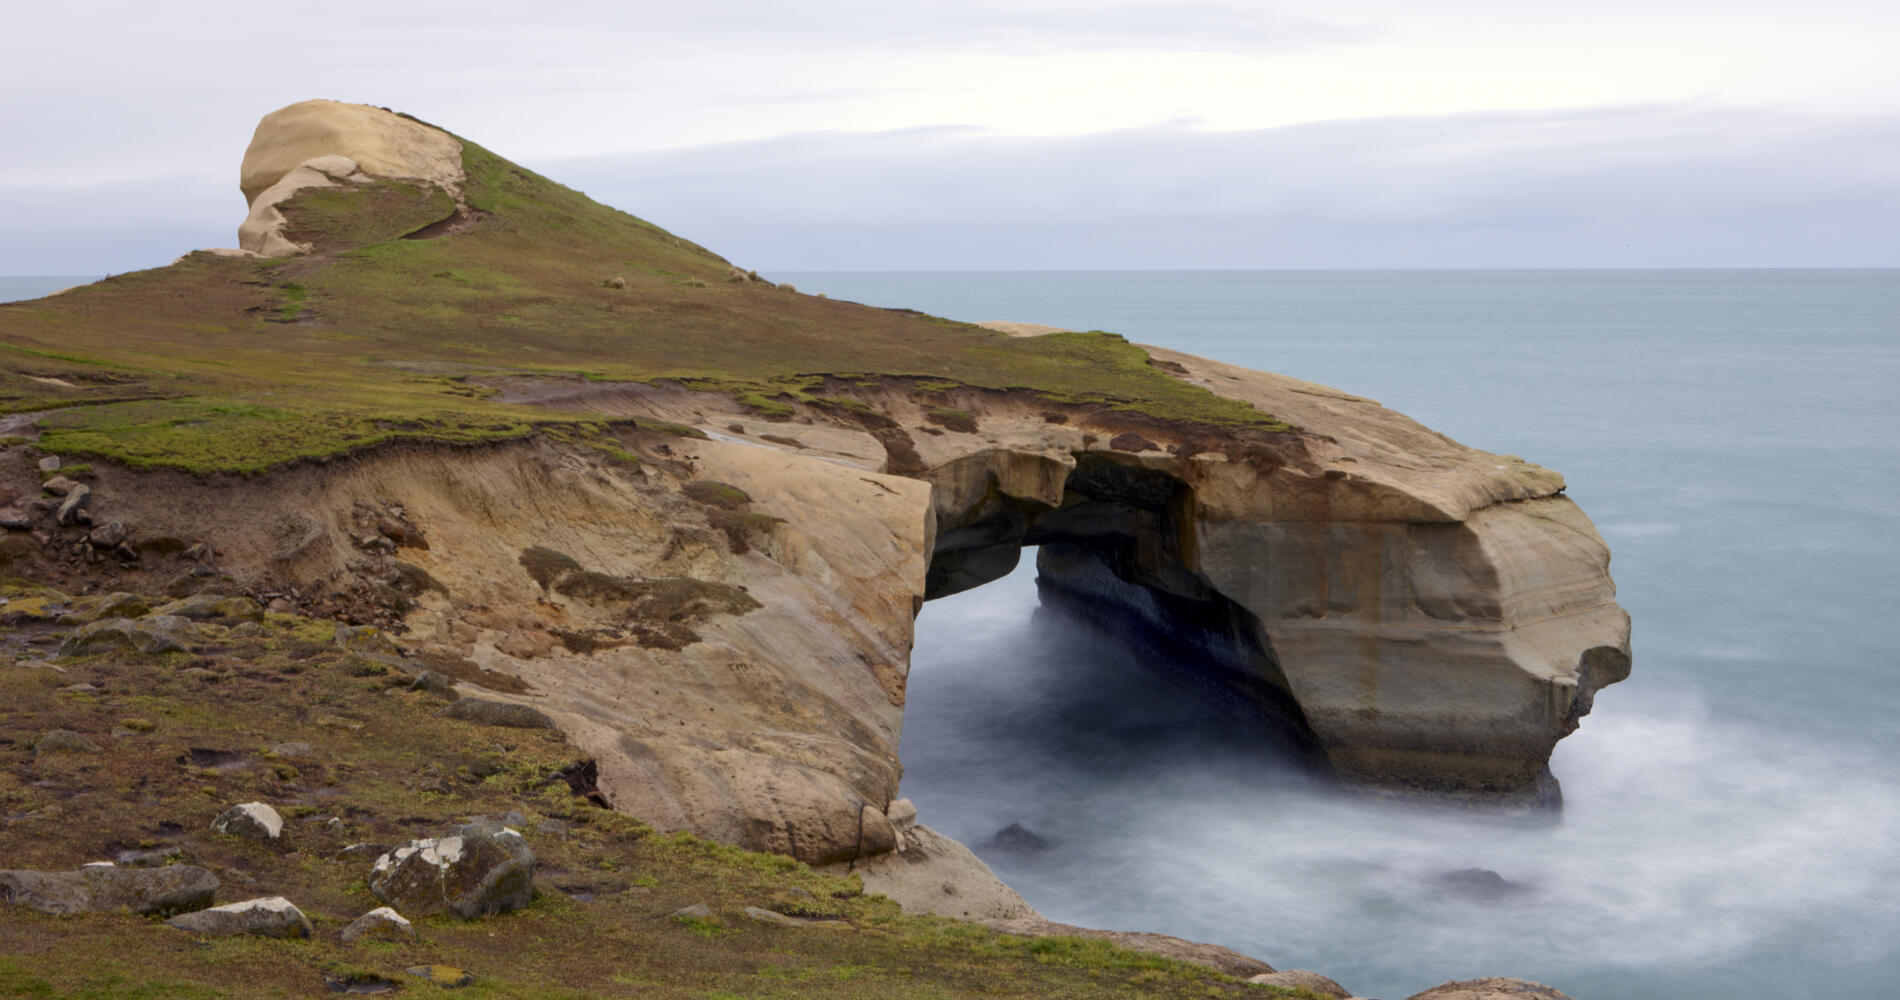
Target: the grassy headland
(240, 364)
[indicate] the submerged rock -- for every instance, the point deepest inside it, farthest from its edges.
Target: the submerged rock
(170, 889)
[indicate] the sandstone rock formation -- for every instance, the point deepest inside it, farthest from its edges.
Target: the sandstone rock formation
(324, 144)
(724, 621)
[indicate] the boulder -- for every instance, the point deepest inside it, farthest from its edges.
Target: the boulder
(902, 814)
(472, 871)
(1297, 979)
(766, 916)
(1494, 988)
(49, 464)
(434, 682)
(64, 741)
(77, 500)
(266, 916)
(366, 639)
(446, 976)
(251, 820)
(108, 535)
(114, 605)
(380, 924)
(171, 889)
(483, 712)
(149, 635)
(211, 607)
(58, 486)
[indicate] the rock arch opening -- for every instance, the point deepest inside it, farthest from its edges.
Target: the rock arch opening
(1116, 555)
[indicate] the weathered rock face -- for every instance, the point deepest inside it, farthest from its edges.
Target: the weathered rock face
(98, 888)
(327, 144)
(266, 916)
(472, 871)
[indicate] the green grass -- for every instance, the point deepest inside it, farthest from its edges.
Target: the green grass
(241, 365)
(408, 773)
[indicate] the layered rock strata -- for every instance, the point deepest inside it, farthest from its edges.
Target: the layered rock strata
(718, 608)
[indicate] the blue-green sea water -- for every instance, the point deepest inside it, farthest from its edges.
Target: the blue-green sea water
(1732, 819)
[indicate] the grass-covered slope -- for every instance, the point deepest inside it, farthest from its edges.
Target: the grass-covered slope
(237, 364)
(339, 743)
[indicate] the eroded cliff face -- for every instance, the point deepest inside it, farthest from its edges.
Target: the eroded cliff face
(724, 623)
(717, 604)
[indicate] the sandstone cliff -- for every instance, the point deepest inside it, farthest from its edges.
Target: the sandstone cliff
(692, 518)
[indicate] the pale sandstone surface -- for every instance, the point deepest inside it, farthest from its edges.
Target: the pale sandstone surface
(330, 144)
(931, 873)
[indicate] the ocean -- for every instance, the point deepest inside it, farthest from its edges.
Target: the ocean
(1732, 811)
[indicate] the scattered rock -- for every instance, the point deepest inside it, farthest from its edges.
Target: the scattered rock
(902, 814)
(197, 553)
(149, 635)
(76, 502)
(766, 916)
(1019, 838)
(108, 535)
(434, 682)
(362, 851)
(157, 857)
(252, 820)
(246, 630)
(1312, 982)
(81, 688)
(266, 916)
(37, 608)
(697, 911)
(114, 605)
(16, 519)
(49, 464)
(170, 889)
(338, 722)
(361, 984)
(445, 976)
(58, 486)
(380, 924)
(525, 644)
(64, 741)
(472, 871)
(279, 606)
(366, 639)
(211, 607)
(497, 713)
(1494, 988)
(297, 748)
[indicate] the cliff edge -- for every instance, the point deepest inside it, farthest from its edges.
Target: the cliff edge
(579, 463)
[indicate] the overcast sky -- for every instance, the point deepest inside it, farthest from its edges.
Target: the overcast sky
(1031, 134)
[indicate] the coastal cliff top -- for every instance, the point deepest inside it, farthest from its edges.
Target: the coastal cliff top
(394, 274)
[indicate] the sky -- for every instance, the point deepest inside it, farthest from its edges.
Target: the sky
(1034, 134)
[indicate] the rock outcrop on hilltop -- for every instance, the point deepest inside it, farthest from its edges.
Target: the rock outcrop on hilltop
(708, 582)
